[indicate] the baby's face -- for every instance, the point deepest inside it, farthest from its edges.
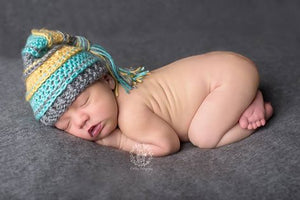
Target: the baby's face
(94, 113)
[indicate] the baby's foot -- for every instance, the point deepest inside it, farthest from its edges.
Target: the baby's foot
(256, 114)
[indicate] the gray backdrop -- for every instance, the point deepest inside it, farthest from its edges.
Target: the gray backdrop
(38, 162)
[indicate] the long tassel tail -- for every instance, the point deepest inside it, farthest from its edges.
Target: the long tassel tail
(128, 78)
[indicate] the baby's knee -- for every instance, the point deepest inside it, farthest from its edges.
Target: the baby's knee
(207, 143)
(202, 141)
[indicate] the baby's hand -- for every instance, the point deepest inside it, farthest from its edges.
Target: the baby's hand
(112, 140)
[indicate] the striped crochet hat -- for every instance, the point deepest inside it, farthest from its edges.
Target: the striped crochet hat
(58, 67)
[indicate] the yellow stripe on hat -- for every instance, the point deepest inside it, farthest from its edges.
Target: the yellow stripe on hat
(40, 75)
(38, 61)
(53, 37)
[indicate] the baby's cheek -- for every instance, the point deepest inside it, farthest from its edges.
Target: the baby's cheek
(78, 134)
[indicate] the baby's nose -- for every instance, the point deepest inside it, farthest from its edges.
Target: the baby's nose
(81, 119)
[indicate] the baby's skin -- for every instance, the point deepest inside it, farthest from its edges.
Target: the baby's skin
(209, 100)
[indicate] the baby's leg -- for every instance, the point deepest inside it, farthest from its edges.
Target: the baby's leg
(222, 108)
(237, 133)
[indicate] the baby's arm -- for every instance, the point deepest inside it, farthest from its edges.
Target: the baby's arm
(120, 141)
(140, 124)
(144, 127)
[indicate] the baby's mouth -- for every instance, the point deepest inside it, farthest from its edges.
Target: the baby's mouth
(95, 130)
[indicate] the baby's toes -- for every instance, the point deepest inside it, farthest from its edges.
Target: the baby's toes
(263, 122)
(250, 126)
(258, 123)
(254, 125)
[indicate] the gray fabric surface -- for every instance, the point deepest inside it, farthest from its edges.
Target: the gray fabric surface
(38, 162)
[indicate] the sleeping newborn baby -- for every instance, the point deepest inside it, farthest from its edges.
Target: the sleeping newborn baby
(209, 100)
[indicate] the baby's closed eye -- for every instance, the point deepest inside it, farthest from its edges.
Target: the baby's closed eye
(81, 101)
(84, 102)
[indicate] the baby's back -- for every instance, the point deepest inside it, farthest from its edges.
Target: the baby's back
(174, 92)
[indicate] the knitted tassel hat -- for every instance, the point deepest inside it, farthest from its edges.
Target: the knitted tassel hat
(58, 67)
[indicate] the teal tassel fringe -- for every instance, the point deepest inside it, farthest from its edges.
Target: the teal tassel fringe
(128, 78)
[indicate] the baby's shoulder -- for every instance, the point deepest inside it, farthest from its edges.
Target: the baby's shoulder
(131, 107)
(131, 114)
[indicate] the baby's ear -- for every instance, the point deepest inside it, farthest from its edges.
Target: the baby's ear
(110, 81)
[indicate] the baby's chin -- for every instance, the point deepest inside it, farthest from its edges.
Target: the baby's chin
(107, 129)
